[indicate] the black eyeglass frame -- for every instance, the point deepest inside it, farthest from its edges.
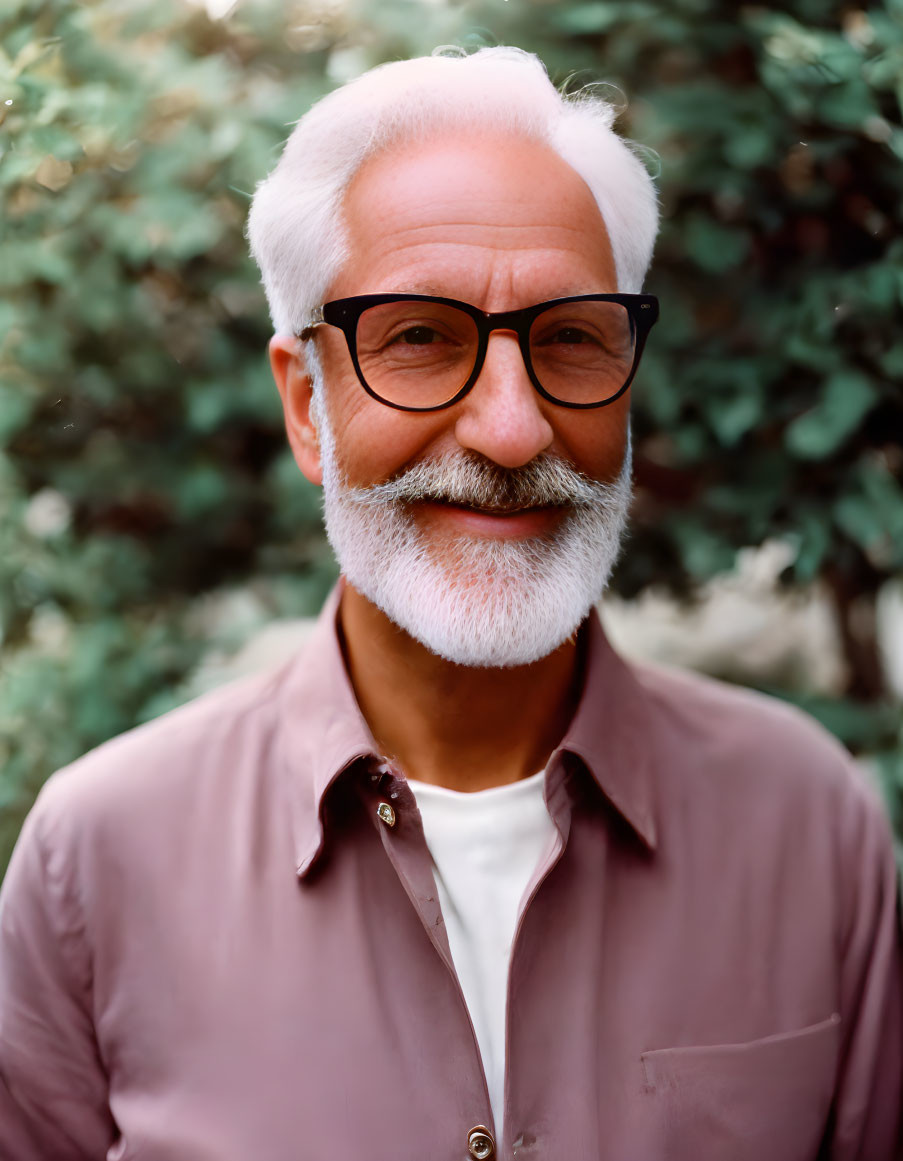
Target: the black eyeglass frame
(345, 313)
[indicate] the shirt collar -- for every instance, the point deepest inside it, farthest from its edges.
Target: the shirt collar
(610, 734)
(324, 733)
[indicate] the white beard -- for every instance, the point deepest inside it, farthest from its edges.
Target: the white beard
(476, 601)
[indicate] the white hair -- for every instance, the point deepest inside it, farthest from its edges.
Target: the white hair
(295, 226)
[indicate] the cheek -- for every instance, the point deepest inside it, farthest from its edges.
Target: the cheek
(374, 442)
(596, 441)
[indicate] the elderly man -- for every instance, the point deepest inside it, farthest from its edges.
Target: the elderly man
(458, 882)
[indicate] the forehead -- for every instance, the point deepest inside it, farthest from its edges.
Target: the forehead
(497, 220)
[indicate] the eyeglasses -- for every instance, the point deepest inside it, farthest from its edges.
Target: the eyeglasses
(416, 352)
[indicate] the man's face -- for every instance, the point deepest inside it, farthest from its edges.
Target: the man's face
(501, 223)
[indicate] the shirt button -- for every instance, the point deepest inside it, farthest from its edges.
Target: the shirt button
(386, 813)
(480, 1144)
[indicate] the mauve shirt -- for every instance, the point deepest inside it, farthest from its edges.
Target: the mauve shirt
(220, 941)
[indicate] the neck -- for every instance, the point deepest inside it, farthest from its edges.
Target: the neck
(451, 725)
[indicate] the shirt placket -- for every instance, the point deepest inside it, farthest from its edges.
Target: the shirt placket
(524, 1141)
(391, 805)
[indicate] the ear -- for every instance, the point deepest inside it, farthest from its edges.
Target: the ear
(294, 383)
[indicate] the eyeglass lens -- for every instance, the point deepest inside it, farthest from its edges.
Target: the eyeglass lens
(420, 354)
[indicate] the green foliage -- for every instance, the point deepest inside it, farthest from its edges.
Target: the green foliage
(143, 467)
(142, 453)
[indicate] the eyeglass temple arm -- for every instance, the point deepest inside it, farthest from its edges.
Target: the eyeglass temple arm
(316, 320)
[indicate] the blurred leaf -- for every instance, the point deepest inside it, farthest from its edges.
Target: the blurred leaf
(714, 248)
(813, 546)
(846, 398)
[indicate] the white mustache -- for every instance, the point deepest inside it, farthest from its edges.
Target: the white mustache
(468, 479)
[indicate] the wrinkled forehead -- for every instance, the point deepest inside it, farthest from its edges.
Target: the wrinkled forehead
(488, 209)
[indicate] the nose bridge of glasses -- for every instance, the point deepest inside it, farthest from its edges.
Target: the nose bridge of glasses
(513, 322)
(494, 336)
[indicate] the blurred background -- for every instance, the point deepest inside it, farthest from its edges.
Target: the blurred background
(155, 534)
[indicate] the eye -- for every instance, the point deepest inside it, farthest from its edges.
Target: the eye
(418, 336)
(571, 336)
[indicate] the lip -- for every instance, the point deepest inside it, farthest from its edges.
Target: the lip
(502, 524)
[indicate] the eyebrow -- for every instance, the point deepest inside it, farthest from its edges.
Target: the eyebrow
(438, 292)
(424, 288)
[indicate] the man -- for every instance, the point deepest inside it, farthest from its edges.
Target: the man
(457, 882)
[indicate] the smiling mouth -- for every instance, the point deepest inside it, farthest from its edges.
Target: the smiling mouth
(495, 521)
(495, 509)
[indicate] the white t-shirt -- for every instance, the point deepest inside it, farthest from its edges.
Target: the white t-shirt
(485, 847)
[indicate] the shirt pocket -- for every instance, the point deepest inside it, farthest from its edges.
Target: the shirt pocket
(766, 1098)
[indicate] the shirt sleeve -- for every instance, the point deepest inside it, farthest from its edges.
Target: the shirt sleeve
(53, 1088)
(868, 1101)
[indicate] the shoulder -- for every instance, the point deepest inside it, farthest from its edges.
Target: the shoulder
(762, 802)
(759, 758)
(151, 780)
(731, 721)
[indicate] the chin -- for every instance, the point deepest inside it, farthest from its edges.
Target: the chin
(478, 602)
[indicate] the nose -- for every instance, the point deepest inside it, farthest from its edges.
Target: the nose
(501, 416)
